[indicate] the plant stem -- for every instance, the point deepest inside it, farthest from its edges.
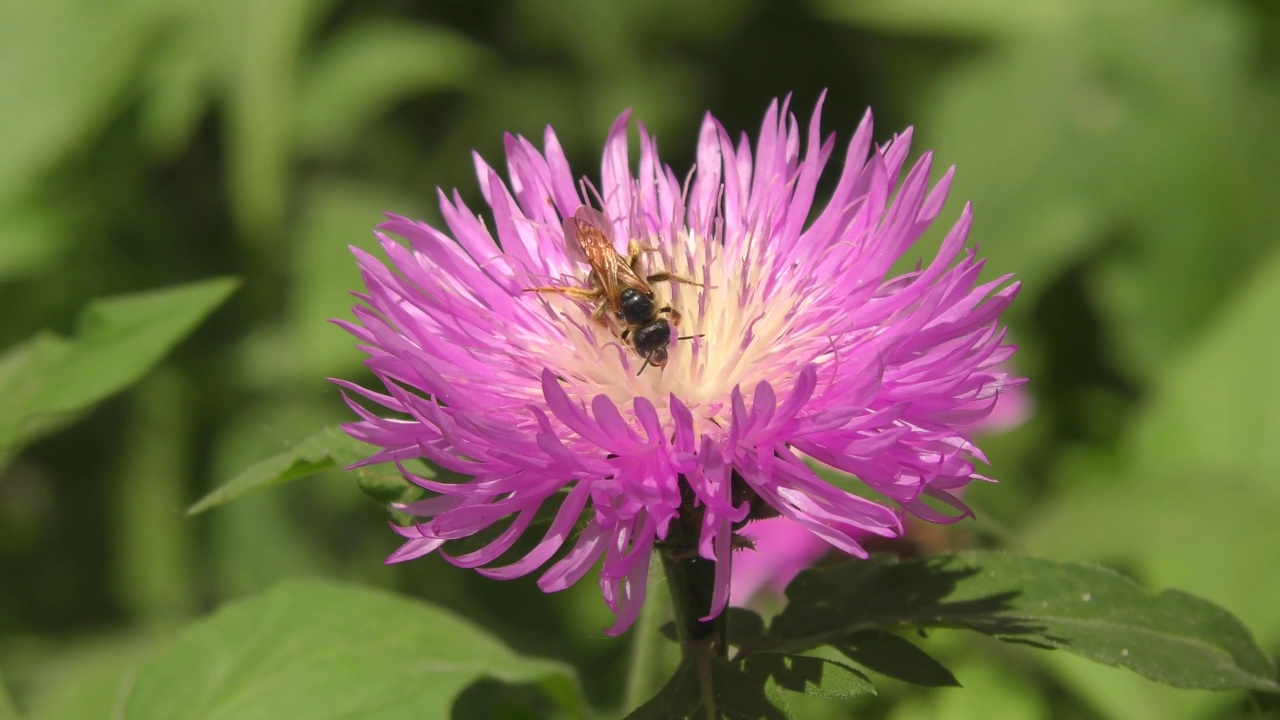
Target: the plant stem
(691, 581)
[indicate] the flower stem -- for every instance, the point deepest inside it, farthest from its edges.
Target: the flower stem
(691, 580)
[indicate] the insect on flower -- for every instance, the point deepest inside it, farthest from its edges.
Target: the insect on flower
(818, 353)
(617, 286)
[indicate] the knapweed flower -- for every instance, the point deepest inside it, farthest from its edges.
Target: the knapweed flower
(798, 340)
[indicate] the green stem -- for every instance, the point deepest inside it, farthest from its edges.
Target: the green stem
(691, 580)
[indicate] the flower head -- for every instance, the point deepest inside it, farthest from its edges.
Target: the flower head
(795, 342)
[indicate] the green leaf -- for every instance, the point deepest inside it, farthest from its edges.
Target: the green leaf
(321, 650)
(370, 67)
(1170, 637)
(997, 690)
(47, 381)
(75, 69)
(78, 678)
(8, 711)
(809, 675)
(328, 448)
(896, 657)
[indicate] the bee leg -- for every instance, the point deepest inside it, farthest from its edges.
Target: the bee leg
(599, 313)
(634, 251)
(573, 292)
(634, 260)
(672, 278)
(672, 314)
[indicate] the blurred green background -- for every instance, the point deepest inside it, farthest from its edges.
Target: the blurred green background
(1122, 156)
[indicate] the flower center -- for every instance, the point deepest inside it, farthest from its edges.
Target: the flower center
(733, 331)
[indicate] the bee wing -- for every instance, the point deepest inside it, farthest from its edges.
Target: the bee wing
(624, 276)
(590, 229)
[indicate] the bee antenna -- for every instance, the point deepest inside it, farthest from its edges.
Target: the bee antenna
(690, 337)
(642, 367)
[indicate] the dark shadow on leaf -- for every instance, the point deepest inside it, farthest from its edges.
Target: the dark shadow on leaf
(736, 694)
(790, 672)
(1091, 611)
(896, 657)
(808, 675)
(746, 629)
(829, 605)
(740, 695)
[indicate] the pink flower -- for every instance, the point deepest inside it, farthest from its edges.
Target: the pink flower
(796, 341)
(780, 548)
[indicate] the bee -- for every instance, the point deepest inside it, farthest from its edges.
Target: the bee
(617, 287)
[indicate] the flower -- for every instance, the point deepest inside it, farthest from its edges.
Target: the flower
(780, 548)
(799, 340)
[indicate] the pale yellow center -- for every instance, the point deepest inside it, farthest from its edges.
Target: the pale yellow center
(701, 371)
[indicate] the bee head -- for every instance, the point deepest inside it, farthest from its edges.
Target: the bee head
(651, 341)
(657, 357)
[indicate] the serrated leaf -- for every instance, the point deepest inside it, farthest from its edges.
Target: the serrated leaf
(47, 381)
(320, 650)
(370, 67)
(809, 675)
(895, 657)
(326, 449)
(1170, 637)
